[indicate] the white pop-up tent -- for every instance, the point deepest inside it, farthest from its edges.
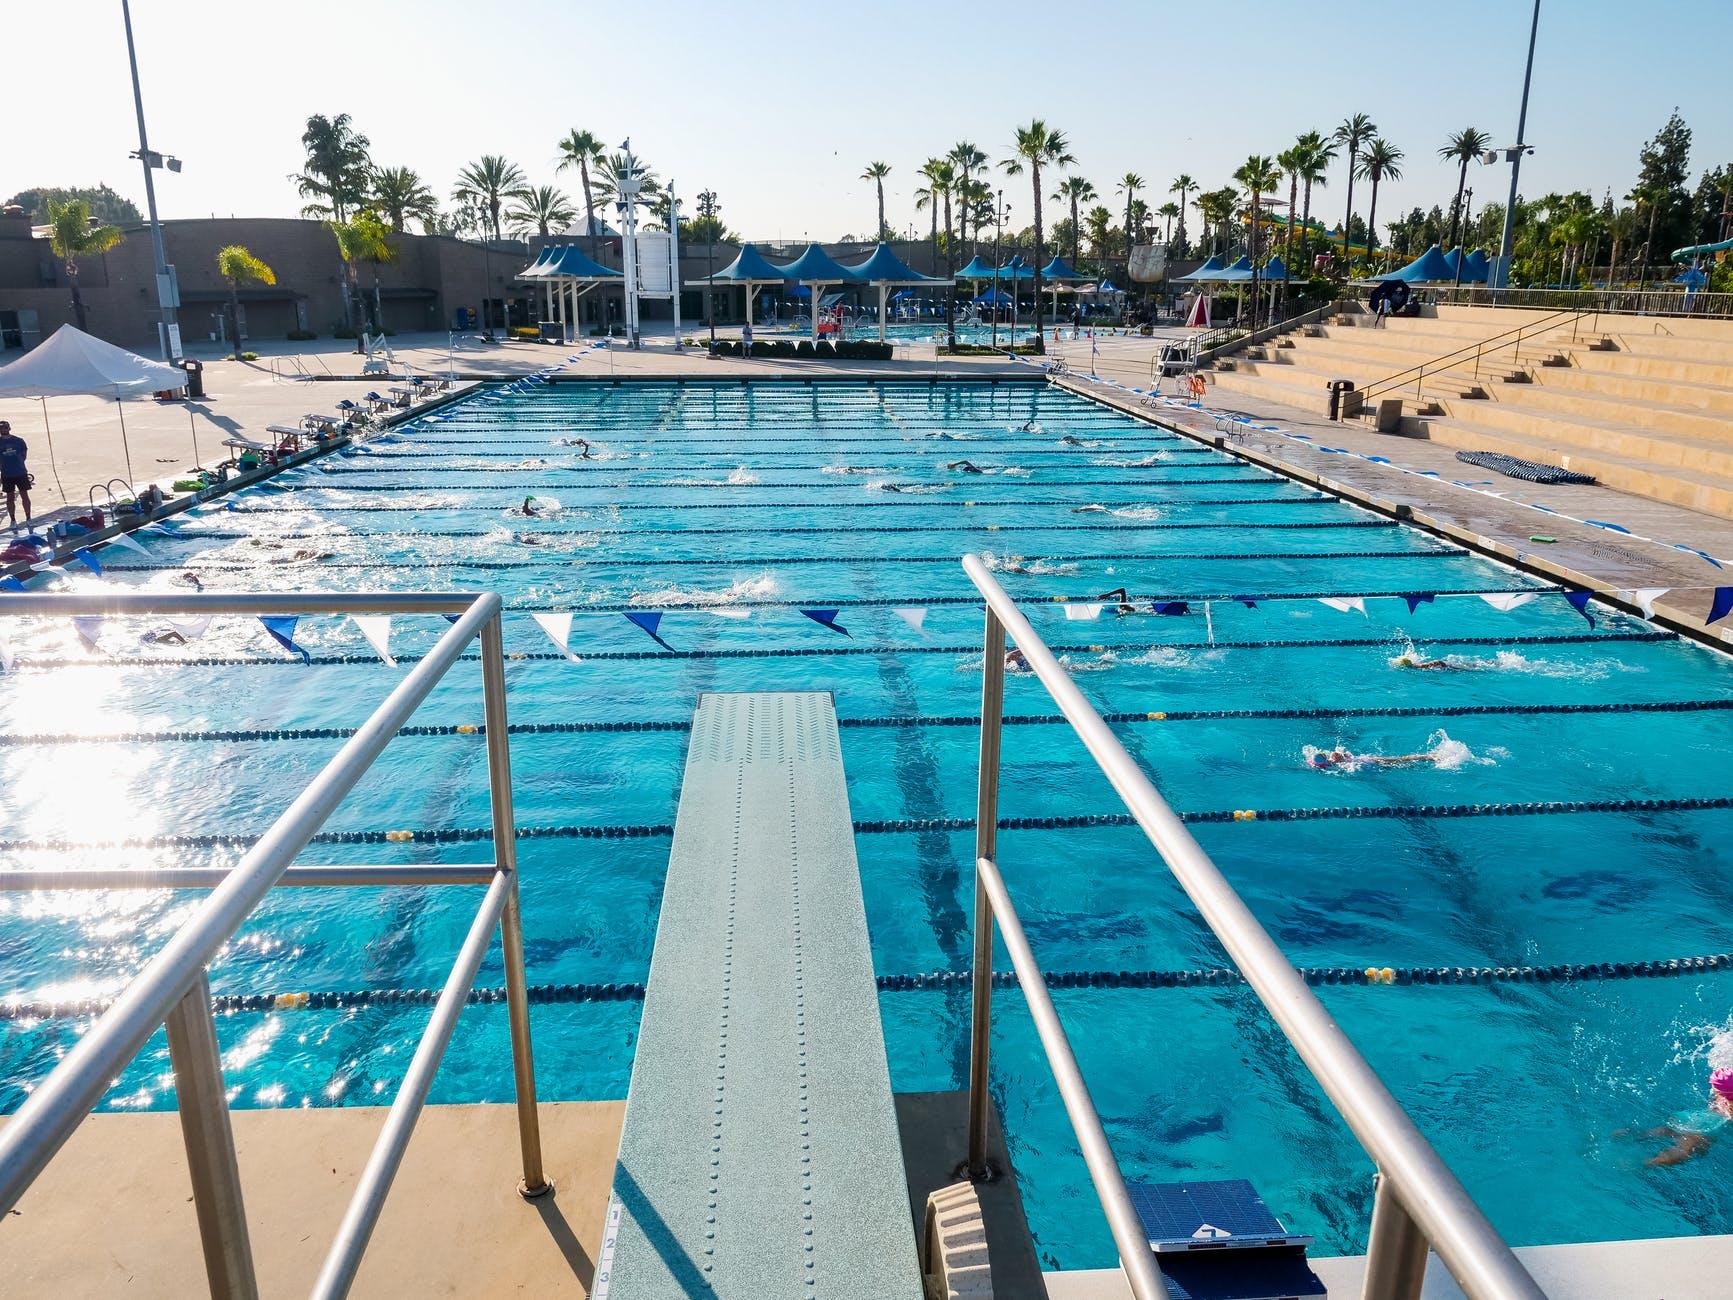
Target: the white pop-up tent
(74, 364)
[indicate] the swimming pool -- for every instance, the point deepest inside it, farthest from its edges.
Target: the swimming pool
(712, 501)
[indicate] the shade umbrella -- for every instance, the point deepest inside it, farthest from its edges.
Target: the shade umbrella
(814, 268)
(750, 269)
(561, 268)
(1061, 278)
(1430, 267)
(75, 364)
(884, 269)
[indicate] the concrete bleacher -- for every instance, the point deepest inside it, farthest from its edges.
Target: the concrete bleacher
(1645, 404)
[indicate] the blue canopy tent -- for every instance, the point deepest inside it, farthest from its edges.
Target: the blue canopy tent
(561, 268)
(814, 268)
(1475, 269)
(992, 298)
(1060, 278)
(884, 269)
(1431, 267)
(978, 269)
(1208, 273)
(750, 269)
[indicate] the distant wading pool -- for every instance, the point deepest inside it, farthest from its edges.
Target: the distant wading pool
(731, 508)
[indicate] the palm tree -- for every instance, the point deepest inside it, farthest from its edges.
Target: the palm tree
(488, 182)
(540, 208)
(1182, 185)
(579, 149)
(363, 238)
(1129, 185)
(73, 234)
(612, 168)
(1168, 211)
(1217, 209)
(876, 173)
(1465, 146)
(337, 172)
(1383, 162)
(1289, 161)
(1075, 190)
(1352, 134)
(976, 197)
(1100, 233)
(1316, 155)
(398, 193)
(928, 196)
(1038, 145)
(1258, 174)
(967, 159)
(236, 264)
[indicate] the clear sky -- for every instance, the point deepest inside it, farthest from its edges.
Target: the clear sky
(778, 105)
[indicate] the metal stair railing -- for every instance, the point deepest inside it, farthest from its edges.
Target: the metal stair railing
(1417, 1202)
(1511, 338)
(173, 989)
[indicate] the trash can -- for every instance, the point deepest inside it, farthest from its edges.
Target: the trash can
(195, 376)
(1338, 388)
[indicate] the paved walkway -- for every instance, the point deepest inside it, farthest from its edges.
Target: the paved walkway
(1475, 506)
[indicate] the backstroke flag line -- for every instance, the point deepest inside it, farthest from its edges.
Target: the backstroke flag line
(377, 629)
(281, 629)
(648, 621)
(826, 618)
(559, 629)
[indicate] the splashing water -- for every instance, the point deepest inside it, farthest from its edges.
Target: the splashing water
(743, 477)
(762, 587)
(1136, 512)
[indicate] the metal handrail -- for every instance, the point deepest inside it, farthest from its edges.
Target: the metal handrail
(173, 990)
(1418, 1200)
(1512, 337)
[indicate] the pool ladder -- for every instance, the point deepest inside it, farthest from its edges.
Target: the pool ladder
(1418, 1203)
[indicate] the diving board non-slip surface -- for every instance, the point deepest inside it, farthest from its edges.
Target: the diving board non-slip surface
(760, 1156)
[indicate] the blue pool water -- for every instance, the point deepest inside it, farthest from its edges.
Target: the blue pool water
(708, 500)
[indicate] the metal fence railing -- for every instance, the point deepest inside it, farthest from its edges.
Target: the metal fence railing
(173, 990)
(1635, 302)
(1417, 1202)
(1467, 359)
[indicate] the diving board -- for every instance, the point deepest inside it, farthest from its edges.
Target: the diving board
(760, 1156)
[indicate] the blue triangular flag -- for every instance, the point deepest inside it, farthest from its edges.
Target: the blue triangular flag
(281, 629)
(87, 557)
(1416, 599)
(1171, 607)
(1721, 605)
(451, 618)
(1692, 550)
(649, 621)
(1247, 601)
(826, 617)
(1580, 602)
(12, 584)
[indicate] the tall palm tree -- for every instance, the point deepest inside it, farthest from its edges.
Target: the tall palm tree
(580, 149)
(1100, 233)
(928, 196)
(488, 182)
(71, 235)
(1182, 185)
(1464, 147)
(363, 238)
(1075, 190)
(1217, 209)
(337, 172)
(540, 208)
(1168, 211)
(1036, 146)
(1352, 135)
(1259, 174)
(1129, 185)
(876, 173)
(968, 159)
(1289, 161)
(398, 193)
(612, 168)
(237, 265)
(942, 181)
(1316, 155)
(1383, 162)
(976, 197)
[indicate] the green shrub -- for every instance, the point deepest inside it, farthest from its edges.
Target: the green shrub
(249, 356)
(986, 350)
(300, 336)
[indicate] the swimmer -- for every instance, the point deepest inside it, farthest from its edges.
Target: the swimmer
(1692, 1134)
(1015, 661)
(1031, 426)
(1071, 440)
(1424, 665)
(302, 557)
(1088, 510)
(164, 636)
(965, 467)
(1122, 601)
(1326, 760)
(187, 578)
(529, 507)
(585, 454)
(530, 539)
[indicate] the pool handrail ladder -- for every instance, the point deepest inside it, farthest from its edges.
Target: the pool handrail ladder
(173, 989)
(1418, 1202)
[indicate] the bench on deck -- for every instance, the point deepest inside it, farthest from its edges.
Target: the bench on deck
(760, 1156)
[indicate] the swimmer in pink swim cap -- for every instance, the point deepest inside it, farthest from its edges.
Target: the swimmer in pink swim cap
(1692, 1134)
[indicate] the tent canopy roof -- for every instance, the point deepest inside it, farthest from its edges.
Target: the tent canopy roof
(885, 267)
(1208, 271)
(1058, 270)
(977, 269)
(1275, 268)
(72, 363)
(1430, 265)
(749, 267)
(569, 262)
(815, 265)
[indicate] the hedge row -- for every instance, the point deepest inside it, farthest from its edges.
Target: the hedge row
(853, 350)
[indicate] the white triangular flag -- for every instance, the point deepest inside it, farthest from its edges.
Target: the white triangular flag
(89, 629)
(1347, 604)
(1644, 598)
(7, 658)
(124, 540)
(729, 612)
(193, 629)
(1084, 611)
(914, 615)
(559, 629)
(1505, 601)
(377, 629)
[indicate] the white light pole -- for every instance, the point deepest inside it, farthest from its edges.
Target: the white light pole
(167, 293)
(1508, 243)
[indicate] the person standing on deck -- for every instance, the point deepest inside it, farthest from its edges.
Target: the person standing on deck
(15, 474)
(746, 339)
